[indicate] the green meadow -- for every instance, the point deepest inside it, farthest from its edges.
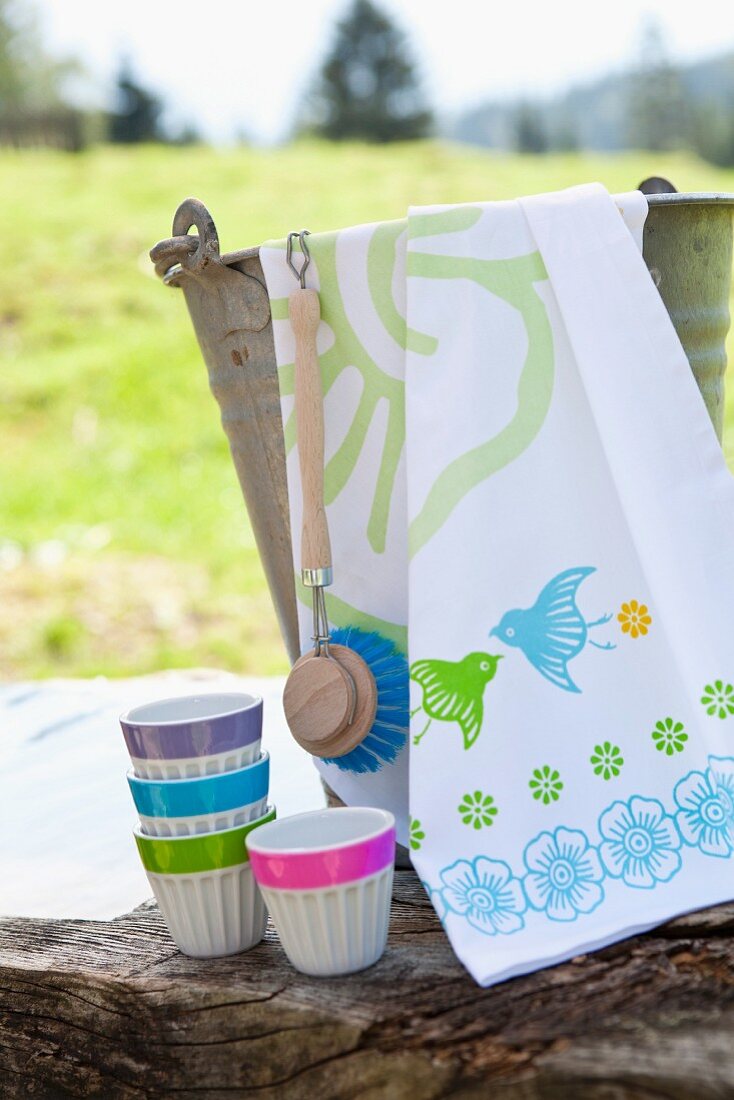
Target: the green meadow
(124, 543)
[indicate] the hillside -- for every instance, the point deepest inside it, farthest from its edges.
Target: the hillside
(597, 115)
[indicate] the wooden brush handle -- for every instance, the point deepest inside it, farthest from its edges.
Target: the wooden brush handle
(305, 314)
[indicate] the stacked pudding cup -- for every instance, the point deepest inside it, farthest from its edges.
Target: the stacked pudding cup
(200, 785)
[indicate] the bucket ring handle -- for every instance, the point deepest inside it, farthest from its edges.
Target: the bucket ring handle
(187, 252)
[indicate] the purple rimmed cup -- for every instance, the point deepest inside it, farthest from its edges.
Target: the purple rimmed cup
(193, 735)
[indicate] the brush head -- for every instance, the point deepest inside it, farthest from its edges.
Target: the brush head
(318, 701)
(388, 733)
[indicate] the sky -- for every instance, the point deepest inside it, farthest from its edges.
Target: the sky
(240, 66)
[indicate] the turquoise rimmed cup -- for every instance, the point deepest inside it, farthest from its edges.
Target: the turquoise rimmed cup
(205, 889)
(185, 807)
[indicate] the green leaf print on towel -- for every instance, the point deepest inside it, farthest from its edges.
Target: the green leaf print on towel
(477, 810)
(381, 258)
(513, 280)
(453, 691)
(343, 614)
(546, 785)
(669, 736)
(416, 835)
(718, 699)
(347, 351)
(606, 760)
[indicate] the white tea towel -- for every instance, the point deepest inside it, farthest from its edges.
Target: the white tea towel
(571, 588)
(360, 275)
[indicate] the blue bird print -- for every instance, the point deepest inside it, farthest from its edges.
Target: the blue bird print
(553, 631)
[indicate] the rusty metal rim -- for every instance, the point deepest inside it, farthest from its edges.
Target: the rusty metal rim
(172, 275)
(692, 198)
(676, 198)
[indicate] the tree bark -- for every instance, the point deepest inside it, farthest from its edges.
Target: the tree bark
(111, 1009)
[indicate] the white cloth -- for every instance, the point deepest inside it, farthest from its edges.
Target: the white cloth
(564, 507)
(362, 340)
(597, 798)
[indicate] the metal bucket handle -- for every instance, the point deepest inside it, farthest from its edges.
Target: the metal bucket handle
(229, 307)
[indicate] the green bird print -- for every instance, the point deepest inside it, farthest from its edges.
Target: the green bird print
(453, 691)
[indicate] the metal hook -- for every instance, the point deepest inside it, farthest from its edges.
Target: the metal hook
(322, 638)
(321, 635)
(299, 274)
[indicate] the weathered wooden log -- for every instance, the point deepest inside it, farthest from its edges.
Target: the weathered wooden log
(112, 1010)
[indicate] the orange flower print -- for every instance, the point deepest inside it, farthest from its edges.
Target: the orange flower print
(635, 618)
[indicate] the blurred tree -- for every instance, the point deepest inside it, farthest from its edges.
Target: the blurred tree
(713, 131)
(657, 110)
(137, 112)
(12, 61)
(368, 87)
(563, 134)
(33, 110)
(530, 135)
(564, 139)
(186, 134)
(29, 79)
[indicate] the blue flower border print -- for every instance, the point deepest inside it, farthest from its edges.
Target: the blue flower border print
(641, 844)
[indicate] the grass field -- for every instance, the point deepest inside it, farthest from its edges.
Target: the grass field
(124, 545)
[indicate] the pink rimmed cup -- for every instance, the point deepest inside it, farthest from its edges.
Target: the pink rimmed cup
(326, 878)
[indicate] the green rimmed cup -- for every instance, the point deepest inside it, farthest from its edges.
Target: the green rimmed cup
(205, 889)
(187, 855)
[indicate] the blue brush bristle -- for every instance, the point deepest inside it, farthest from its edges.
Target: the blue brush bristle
(390, 727)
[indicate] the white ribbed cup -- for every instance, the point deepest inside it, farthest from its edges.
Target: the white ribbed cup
(211, 913)
(195, 767)
(204, 823)
(335, 929)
